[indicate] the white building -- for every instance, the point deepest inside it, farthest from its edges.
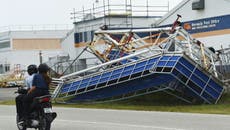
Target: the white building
(125, 15)
(20, 46)
(206, 20)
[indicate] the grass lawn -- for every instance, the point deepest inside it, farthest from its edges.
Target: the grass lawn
(160, 102)
(154, 102)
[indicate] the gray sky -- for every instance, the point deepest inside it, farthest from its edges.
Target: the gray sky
(36, 12)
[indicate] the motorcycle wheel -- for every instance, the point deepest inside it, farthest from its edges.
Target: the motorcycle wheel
(20, 126)
(44, 124)
(48, 124)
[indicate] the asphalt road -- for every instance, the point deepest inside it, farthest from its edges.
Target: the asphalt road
(7, 93)
(99, 119)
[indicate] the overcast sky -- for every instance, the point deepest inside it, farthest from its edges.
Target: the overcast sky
(36, 12)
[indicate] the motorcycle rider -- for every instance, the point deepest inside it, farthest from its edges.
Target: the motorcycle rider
(40, 87)
(31, 70)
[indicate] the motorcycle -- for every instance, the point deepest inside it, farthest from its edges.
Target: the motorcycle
(41, 115)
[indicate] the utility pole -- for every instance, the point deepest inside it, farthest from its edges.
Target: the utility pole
(40, 56)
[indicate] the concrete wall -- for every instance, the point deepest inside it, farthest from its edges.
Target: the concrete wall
(25, 46)
(24, 58)
(39, 34)
(36, 44)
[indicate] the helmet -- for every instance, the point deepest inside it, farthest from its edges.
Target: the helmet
(43, 68)
(31, 69)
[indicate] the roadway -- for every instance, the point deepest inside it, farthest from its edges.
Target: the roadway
(100, 119)
(7, 93)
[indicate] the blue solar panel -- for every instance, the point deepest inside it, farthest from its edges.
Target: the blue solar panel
(64, 90)
(116, 76)
(217, 87)
(175, 58)
(150, 66)
(207, 97)
(76, 83)
(212, 92)
(140, 64)
(161, 63)
(73, 89)
(165, 58)
(85, 80)
(82, 85)
(187, 64)
(201, 75)
(197, 82)
(170, 64)
(93, 82)
(106, 74)
(117, 71)
(137, 70)
(126, 73)
(67, 85)
(183, 70)
(103, 80)
(129, 68)
(151, 61)
(96, 77)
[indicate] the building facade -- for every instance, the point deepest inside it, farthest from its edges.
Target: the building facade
(107, 16)
(206, 20)
(19, 48)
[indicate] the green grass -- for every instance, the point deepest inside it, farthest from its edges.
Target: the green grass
(212, 109)
(7, 102)
(154, 102)
(160, 102)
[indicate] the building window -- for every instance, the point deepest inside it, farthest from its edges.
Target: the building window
(92, 35)
(7, 67)
(80, 37)
(76, 38)
(4, 68)
(84, 36)
(1, 69)
(5, 44)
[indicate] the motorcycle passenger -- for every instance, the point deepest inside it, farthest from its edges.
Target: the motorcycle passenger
(31, 70)
(40, 87)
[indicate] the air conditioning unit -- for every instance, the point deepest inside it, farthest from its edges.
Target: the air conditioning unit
(198, 5)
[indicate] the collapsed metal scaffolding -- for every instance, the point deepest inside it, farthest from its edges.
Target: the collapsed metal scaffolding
(182, 61)
(155, 40)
